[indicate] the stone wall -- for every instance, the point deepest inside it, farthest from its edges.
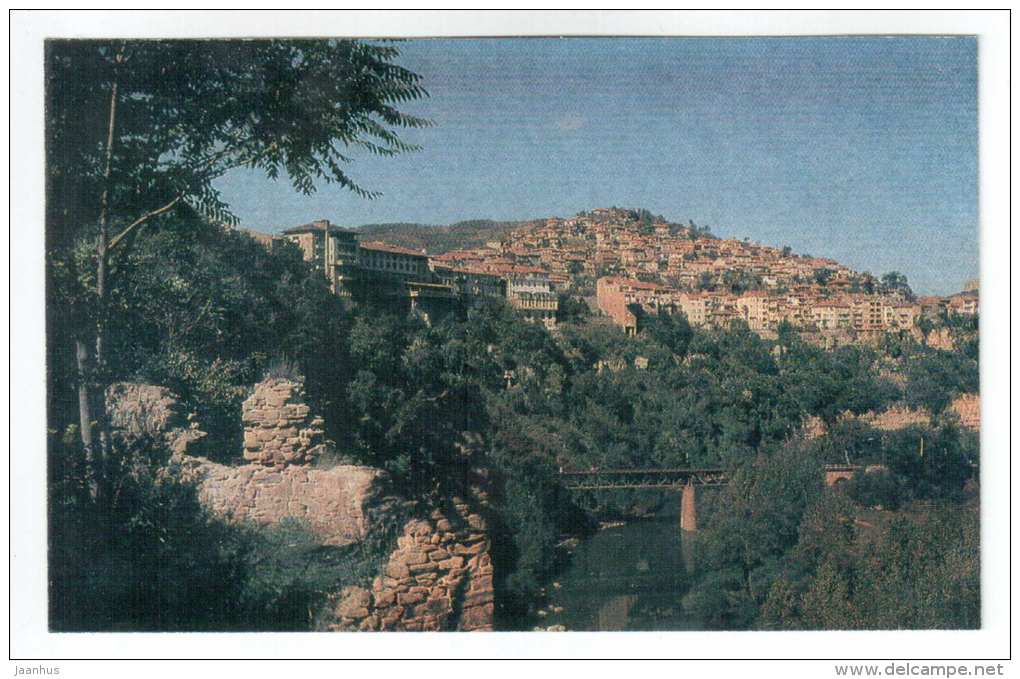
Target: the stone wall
(438, 579)
(967, 408)
(341, 505)
(894, 418)
(279, 428)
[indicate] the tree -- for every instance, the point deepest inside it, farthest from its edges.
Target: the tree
(823, 276)
(572, 308)
(137, 132)
(895, 283)
(741, 280)
(754, 522)
(706, 281)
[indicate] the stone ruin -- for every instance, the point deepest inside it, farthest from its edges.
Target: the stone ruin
(439, 577)
(279, 428)
(139, 410)
(340, 506)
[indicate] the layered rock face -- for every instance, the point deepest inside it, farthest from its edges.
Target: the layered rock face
(438, 579)
(145, 410)
(279, 428)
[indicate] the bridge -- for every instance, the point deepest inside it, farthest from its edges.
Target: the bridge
(618, 479)
(684, 480)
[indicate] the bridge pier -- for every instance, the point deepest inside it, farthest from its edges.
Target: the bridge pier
(688, 508)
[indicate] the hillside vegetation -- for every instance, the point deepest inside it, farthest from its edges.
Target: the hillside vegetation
(208, 312)
(438, 239)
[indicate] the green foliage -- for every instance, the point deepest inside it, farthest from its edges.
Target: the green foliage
(672, 331)
(283, 369)
(533, 513)
(157, 560)
(781, 552)
(916, 571)
(935, 378)
(572, 309)
(894, 282)
(188, 111)
(752, 525)
(850, 441)
(291, 575)
(880, 489)
(208, 312)
(823, 276)
(741, 280)
(934, 462)
(827, 384)
(205, 312)
(153, 559)
(922, 463)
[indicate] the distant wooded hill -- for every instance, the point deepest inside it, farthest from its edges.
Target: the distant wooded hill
(439, 239)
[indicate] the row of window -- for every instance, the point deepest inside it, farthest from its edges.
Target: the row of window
(393, 264)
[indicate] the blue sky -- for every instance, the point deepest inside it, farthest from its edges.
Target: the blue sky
(860, 149)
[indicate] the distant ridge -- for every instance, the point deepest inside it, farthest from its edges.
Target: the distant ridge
(438, 239)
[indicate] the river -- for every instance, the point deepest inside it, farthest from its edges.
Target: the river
(624, 577)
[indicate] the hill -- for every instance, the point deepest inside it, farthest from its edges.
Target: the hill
(439, 239)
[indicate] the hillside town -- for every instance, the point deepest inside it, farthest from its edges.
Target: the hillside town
(608, 421)
(629, 265)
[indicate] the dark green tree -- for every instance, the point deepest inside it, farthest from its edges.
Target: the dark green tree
(138, 131)
(823, 276)
(894, 282)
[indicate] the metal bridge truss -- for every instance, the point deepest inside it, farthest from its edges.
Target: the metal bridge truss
(675, 479)
(617, 479)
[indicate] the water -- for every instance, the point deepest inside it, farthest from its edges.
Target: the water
(628, 577)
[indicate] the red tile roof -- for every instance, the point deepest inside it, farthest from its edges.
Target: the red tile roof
(393, 249)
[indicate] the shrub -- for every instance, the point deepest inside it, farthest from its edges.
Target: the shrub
(151, 558)
(878, 488)
(283, 369)
(290, 575)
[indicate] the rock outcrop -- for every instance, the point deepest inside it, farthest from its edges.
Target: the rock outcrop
(968, 408)
(139, 410)
(438, 579)
(897, 417)
(279, 428)
(940, 338)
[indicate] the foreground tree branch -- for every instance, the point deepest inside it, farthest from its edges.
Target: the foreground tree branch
(179, 114)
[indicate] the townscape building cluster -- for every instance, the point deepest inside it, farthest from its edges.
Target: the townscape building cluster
(411, 276)
(631, 265)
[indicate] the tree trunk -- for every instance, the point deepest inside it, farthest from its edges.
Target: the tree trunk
(92, 379)
(81, 353)
(91, 407)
